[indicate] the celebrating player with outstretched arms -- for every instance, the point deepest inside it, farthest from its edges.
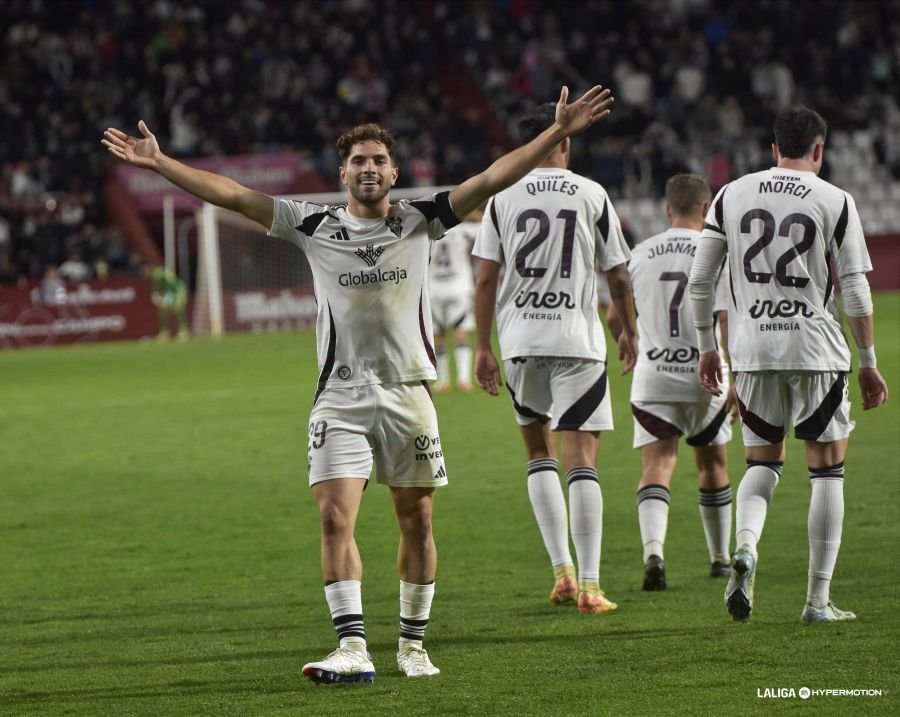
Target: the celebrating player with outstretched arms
(369, 260)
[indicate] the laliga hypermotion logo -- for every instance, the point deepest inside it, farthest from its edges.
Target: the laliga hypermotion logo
(370, 254)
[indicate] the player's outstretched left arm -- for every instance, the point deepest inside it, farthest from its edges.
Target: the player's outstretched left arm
(487, 371)
(571, 119)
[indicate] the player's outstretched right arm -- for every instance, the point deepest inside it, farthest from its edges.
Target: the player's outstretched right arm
(144, 152)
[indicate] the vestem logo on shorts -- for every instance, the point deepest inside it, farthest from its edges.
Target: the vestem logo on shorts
(424, 443)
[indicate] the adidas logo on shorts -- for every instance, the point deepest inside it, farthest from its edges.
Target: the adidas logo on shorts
(441, 473)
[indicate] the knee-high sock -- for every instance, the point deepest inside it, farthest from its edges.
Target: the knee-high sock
(753, 498)
(549, 505)
(345, 604)
(415, 609)
(653, 518)
(824, 526)
(586, 521)
(463, 356)
(715, 514)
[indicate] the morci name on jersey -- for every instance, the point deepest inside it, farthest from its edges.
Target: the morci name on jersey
(784, 185)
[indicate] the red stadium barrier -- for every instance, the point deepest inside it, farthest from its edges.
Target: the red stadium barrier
(885, 254)
(108, 310)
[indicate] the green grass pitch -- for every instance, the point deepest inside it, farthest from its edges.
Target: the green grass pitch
(159, 556)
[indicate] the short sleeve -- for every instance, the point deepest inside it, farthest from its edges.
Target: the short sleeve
(438, 213)
(612, 249)
(714, 225)
(848, 243)
(296, 221)
(487, 241)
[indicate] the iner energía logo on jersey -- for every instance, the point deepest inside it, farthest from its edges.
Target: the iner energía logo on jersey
(370, 255)
(669, 355)
(547, 300)
(784, 309)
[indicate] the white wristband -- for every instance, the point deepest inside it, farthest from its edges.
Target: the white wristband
(706, 339)
(867, 357)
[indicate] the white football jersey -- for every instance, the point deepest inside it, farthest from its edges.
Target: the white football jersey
(666, 368)
(782, 230)
(451, 263)
(551, 229)
(371, 284)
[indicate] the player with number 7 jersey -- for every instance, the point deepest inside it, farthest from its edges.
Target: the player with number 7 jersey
(784, 227)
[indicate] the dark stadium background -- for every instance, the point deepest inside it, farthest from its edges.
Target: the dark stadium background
(697, 84)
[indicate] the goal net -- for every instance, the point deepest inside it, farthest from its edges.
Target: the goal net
(248, 281)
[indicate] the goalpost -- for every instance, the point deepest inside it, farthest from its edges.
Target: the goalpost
(247, 281)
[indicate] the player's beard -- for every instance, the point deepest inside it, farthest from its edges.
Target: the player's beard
(369, 196)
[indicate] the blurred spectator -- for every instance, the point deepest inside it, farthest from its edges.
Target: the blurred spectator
(698, 82)
(52, 289)
(74, 269)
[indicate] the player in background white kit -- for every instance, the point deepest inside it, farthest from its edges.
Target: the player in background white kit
(780, 230)
(369, 260)
(667, 401)
(452, 290)
(550, 230)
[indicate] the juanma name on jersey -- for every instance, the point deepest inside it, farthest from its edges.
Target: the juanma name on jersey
(360, 278)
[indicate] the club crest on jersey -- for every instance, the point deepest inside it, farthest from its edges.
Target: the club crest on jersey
(395, 224)
(370, 254)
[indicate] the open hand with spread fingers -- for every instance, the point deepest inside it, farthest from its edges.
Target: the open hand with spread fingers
(139, 151)
(591, 107)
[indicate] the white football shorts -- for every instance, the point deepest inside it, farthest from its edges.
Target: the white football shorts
(571, 393)
(453, 312)
(393, 426)
(705, 423)
(816, 402)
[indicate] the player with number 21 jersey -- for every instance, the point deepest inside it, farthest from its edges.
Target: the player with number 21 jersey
(547, 301)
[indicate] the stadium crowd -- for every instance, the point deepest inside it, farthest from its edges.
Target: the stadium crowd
(697, 85)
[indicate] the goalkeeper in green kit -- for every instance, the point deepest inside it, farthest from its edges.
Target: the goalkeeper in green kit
(169, 294)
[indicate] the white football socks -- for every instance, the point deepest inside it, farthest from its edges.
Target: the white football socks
(549, 505)
(824, 527)
(715, 514)
(653, 518)
(753, 498)
(586, 520)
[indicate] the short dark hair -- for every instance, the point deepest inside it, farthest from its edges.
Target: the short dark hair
(796, 131)
(536, 121)
(686, 193)
(364, 133)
